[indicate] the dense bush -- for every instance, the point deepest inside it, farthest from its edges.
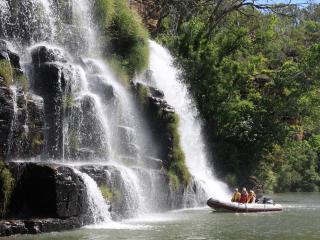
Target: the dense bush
(124, 38)
(6, 188)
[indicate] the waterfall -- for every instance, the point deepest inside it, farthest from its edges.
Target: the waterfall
(14, 118)
(98, 207)
(96, 120)
(176, 94)
(4, 17)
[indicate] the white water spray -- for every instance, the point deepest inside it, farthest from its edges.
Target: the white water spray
(176, 94)
(14, 117)
(97, 205)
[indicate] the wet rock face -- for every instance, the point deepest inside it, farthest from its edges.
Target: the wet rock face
(83, 139)
(6, 116)
(160, 114)
(49, 82)
(6, 54)
(27, 138)
(71, 195)
(47, 191)
(46, 198)
(25, 22)
(21, 115)
(43, 54)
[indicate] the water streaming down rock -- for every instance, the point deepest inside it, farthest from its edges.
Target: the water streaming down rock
(98, 207)
(90, 116)
(4, 18)
(166, 78)
(14, 118)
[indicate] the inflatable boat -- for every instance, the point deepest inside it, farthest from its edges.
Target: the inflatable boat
(219, 205)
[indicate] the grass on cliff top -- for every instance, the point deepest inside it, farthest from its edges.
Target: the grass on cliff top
(6, 72)
(124, 37)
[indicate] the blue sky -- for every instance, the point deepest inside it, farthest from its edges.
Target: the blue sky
(287, 1)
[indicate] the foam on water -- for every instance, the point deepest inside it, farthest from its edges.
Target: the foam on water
(119, 226)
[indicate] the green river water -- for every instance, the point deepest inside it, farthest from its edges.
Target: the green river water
(299, 220)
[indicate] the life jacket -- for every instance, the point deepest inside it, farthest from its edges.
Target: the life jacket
(251, 198)
(243, 198)
(236, 197)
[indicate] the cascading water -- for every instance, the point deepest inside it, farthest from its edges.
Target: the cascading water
(98, 207)
(4, 17)
(96, 114)
(176, 94)
(99, 120)
(14, 117)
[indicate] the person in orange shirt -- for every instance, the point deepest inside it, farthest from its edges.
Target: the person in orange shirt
(236, 195)
(251, 197)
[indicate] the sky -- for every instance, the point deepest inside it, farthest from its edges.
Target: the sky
(287, 1)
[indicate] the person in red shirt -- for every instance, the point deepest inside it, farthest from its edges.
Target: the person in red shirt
(244, 196)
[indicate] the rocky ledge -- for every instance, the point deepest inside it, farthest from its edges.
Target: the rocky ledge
(35, 226)
(46, 197)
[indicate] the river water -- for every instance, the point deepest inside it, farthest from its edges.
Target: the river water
(299, 220)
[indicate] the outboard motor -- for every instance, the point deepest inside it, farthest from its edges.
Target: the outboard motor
(266, 200)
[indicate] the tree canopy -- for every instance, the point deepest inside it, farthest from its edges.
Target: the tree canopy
(254, 72)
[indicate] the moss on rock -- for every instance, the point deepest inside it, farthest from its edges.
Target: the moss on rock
(177, 163)
(165, 124)
(6, 72)
(6, 188)
(110, 194)
(124, 38)
(21, 80)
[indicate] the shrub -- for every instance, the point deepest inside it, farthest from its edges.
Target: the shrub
(6, 72)
(22, 80)
(177, 164)
(6, 188)
(124, 38)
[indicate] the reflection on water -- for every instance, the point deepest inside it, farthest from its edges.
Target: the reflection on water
(299, 220)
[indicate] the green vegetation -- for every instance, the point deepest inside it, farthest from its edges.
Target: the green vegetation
(174, 182)
(143, 95)
(124, 39)
(177, 170)
(37, 142)
(6, 188)
(6, 72)
(177, 166)
(254, 76)
(21, 80)
(113, 195)
(67, 102)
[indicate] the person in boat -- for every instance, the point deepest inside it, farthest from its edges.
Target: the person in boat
(244, 196)
(236, 195)
(251, 197)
